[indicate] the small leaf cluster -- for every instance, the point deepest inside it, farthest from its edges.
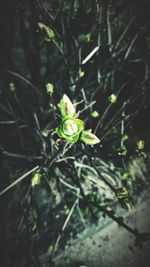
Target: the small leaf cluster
(71, 128)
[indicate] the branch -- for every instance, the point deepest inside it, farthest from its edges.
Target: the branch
(22, 177)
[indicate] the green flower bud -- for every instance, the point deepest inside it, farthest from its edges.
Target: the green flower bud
(140, 145)
(81, 73)
(36, 179)
(46, 31)
(112, 98)
(70, 127)
(122, 150)
(49, 88)
(95, 114)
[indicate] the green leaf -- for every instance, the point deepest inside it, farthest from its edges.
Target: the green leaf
(122, 151)
(36, 179)
(80, 124)
(46, 31)
(124, 137)
(112, 98)
(122, 193)
(66, 107)
(84, 37)
(125, 176)
(89, 138)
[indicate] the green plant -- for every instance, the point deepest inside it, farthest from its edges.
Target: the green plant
(71, 129)
(54, 188)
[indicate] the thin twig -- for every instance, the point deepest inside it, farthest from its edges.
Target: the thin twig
(100, 175)
(91, 54)
(24, 79)
(116, 219)
(22, 177)
(63, 228)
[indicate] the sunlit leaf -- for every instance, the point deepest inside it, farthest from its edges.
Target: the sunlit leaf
(66, 107)
(89, 138)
